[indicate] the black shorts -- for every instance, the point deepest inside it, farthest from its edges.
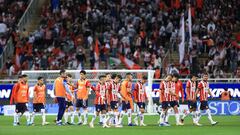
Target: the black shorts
(68, 104)
(141, 105)
(165, 104)
(192, 104)
(82, 103)
(100, 107)
(21, 108)
(37, 107)
(174, 103)
(204, 105)
(125, 105)
(114, 105)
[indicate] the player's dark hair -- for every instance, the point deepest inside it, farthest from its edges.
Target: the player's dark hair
(114, 76)
(40, 77)
(205, 73)
(192, 75)
(83, 71)
(20, 76)
(108, 74)
(62, 71)
(24, 75)
(119, 76)
(101, 76)
(144, 77)
(175, 75)
(127, 74)
(69, 75)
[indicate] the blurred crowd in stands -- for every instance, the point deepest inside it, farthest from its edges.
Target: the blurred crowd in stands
(10, 13)
(144, 31)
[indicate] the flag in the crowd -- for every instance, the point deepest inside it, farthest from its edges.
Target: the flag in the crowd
(115, 61)
(182, 43)
(129, 63)
(96, 54)
(190, 26)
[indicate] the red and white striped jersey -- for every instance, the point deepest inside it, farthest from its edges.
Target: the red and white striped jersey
(164, 90)
(113, 90)
(191, 89)
(173, 90)
(139, 92)
(100, 91)
(203, 88)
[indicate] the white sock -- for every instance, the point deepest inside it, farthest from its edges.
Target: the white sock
(72, 116)
(100, 118)
(94, 117)
(198, 116)
(15, 117)
(177, 117)
(162, 117)
(33, 117)
(85, 115)
(116, 117)
(111, 117)
(129, 113)
(209, 116)
(185, 114)
(141, 118)
(194, 116)
(105, 119)
(43, 115)
(65, 117)
(18, 116)
(78, 113)
(121, 117)
(166, 117)
(27, 114)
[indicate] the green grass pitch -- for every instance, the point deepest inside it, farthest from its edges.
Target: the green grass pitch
(228, 125)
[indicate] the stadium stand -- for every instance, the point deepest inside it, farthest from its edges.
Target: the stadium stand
(143, 31)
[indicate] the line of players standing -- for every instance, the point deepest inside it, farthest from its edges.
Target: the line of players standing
(110, 93)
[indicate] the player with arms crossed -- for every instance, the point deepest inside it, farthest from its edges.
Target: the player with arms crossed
(83, 86)
(174, 99)
(203, 89)
(100, 101)
(39, 100)
(114, 96)
(140, 98)
(191, 98)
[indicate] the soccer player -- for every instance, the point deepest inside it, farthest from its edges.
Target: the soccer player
(60, 88)
(191, 98)
(114, 95)
(20, 96)
(178, 89)
(165, 87)
(100, 101)
(127, 101)
(83, 87)
(140, 97)
(203, 88)
(69, 102)
(173, 100)
(39, 100)
(108, 83)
